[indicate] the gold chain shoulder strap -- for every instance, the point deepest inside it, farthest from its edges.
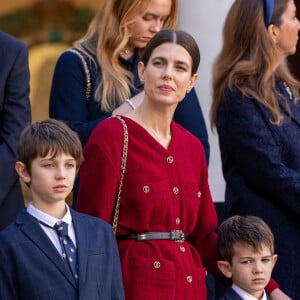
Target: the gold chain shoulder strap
(86, 71)
(123, 168)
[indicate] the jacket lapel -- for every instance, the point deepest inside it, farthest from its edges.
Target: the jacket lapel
(82, 234)
(33, 231)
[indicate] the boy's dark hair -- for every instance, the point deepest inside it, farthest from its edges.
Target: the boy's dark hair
(48, 137)
(249, 230)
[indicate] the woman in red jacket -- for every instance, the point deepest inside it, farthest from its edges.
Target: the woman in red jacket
(167, 220)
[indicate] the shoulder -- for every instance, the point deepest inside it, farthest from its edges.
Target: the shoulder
(68, 57)
(230, 294)
(111, 127)
(15, 50)
(105, 142)
(10, 41)
(234, 95)
(73, 56)
(11, 235)
(237, 110)
(185, 135)
(7, 234)
(188, 143)
(234, 99)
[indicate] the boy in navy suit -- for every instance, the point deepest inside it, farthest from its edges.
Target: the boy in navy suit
(246, 245)
(36, 262)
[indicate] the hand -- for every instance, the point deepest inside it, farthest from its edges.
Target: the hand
(278, 294)
(125, 108)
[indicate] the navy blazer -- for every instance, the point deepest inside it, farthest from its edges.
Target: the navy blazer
(32, 268)
(261, 166)
(68, 101)
(230, 294)
(14, 116)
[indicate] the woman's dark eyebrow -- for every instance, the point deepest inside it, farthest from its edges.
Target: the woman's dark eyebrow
(177, 61)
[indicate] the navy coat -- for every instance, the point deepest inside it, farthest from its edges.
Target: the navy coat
(261, 166)
(15, 114)
(230, 294)
(32, 268)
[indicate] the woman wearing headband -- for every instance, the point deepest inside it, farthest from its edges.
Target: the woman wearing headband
(257, 115)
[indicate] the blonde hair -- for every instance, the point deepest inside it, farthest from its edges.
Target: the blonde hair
(106, 36)
(247, 58)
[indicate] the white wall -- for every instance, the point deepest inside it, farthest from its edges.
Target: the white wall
(204, 20)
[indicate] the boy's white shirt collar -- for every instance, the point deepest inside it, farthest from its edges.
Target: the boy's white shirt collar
(47, 219)
(245, 295)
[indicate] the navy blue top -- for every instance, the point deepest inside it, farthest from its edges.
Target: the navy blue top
(230, 294)
(68, 100)
(261, 166)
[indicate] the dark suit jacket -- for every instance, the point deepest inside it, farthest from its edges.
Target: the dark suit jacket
(261, 166)
(14, 115)
(230, 294)
(31, 267)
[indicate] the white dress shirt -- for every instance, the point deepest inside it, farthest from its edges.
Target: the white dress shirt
(51, 221)
(245, 295)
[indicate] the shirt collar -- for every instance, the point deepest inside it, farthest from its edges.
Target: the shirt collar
(47, 219)
(245, 295)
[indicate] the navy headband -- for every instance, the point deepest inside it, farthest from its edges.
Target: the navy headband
(268, 11)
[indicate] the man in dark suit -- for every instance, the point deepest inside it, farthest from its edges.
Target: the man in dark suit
(14, 116)
(37, 262)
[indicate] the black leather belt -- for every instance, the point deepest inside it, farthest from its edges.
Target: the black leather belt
(174, 235)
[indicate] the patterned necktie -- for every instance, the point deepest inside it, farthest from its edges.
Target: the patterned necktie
(69, 252)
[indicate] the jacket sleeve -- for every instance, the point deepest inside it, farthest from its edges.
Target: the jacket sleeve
(117, 289)
(189, 115)
(250, 142)
(15, 113)
(8, 282)
(68, 100)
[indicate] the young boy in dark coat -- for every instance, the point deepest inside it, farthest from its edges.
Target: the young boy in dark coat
(246, 245)
(38, 263)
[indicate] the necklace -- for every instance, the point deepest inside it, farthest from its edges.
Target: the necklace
(162, 140)
(127, 51)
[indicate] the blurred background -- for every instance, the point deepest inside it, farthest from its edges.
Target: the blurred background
(48, 27)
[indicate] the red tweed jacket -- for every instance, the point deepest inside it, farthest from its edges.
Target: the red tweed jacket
(163, 190)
